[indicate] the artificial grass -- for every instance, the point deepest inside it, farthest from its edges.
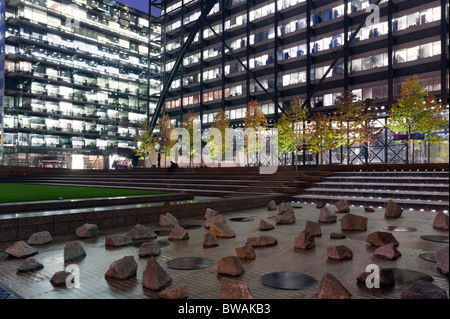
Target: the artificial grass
(10, 193)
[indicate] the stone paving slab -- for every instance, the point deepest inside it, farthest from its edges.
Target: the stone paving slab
(205, 283)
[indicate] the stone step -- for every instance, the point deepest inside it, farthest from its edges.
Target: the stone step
(406, 204)
(385, 186)
(372, 193)
(396, 173)
(388, 179)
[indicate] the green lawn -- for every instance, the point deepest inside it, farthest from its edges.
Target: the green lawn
(25, 193)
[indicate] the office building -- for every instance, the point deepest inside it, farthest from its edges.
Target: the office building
(288, 45)
(75, 81)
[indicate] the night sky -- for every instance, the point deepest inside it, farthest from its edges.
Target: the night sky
(138, 4)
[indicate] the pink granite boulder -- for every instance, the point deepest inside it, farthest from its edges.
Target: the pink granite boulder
(342, 206)
(154, 276)
(246, 252)
(286, 218)
(304, 241)
(331, 288)
(264, 225)
(233, 289)
(149, 250)
(393, 210)
(40, 238)
(387, 252)
(442, 260)
(174, 292)
(178, 233)
(423, 290)
(209, 240)
(339, 253)
(87, 231)
(380, 238)
(221, 230)
(210, 213)
(140, 232)
(123, 268)
(285, 207)
(20, 250)
(313, 228)
(231, 266)
(327, 216)
(261, 241)
(353, 222)
(441, 221)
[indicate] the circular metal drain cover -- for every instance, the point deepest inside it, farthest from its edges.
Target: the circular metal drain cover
(191, 226)
(163, 232)
(189, 263)
(288, 280)
(435, 238)
(407, 276)
(399, 228)
(428, 257)
(242, 219)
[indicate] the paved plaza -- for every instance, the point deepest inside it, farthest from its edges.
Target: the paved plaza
(205, 283)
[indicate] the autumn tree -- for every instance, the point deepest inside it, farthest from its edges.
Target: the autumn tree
(162, 136)
(416, 112)
(189, 122)
(368, 131)
(221, 122)
(292, 134)
(435, 121)
(354, 118)
(322, 134)
(254, 120)
(144, 141)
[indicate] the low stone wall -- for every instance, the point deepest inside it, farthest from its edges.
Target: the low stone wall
(21, 228)
(90, 202)
(384, 167)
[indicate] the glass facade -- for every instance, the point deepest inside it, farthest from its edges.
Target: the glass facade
(2, 70)
(76, 77)
(290, 44)
(77, 81)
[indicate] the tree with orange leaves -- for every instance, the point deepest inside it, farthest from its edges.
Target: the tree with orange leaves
(254, 120)
(417, 112)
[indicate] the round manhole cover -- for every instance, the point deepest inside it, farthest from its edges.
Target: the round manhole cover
(288, 280)
(242, 219)
(409, 276)
(435, 238)
(428, 257)
(399, 228)
(189, 263)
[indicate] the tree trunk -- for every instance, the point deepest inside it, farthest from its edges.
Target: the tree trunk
(348, 143)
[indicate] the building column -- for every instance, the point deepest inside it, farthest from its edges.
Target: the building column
(308, 49)
(444, 62)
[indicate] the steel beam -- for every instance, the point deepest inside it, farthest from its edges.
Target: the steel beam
(179, 60)
(341, 53)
